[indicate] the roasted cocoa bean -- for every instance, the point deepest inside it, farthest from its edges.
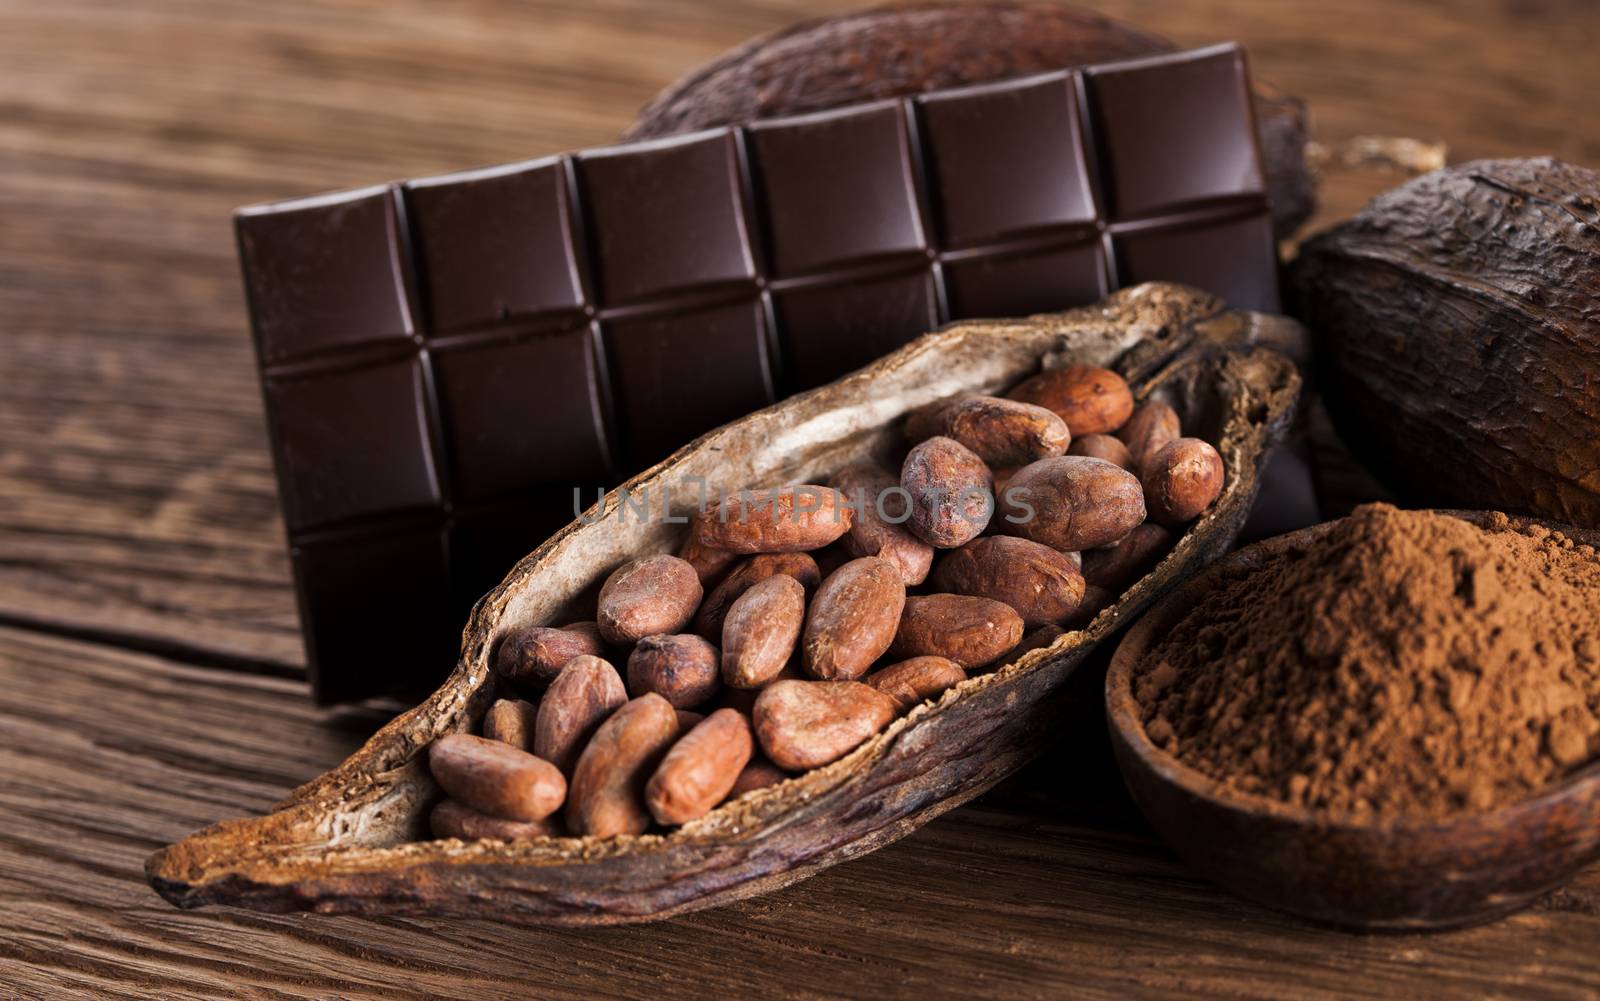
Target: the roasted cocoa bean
(1000, 432)
(1072, 503)
(853, 619)
(511, 721)
(700, 769)
(775, 520)
(585, 692)
(1041, 584)
(760, 631)
(680, 667)
(709, 563)
(1116, 566)
(658, 594)
(1148, 431)
(952, 492)
(758, 774)
(971, 631)
(910, 682)
(531, 658)
(877, 527)
(1091, 400)
(607, 794)
(804, 724)
(1103, 446)
(1181, 480)
(801, 566)
(452, 819)
(496, 778)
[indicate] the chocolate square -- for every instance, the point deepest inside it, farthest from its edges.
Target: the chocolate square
(523, 414)
(1173, 130)
(678, 374)
(845, 184)
(494, 245)
(1234, 258)
(325, 273)
(1007, 159)
(353, 443)
(1022, 284)
(666, 216)
(830, 329)
(374, 600)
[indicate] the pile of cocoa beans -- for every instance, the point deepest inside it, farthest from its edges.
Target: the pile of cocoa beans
(796, 622)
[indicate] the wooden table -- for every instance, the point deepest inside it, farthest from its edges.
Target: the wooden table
(149, 656)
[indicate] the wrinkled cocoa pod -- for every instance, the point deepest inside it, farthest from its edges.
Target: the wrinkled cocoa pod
(511, 721)
(1114, 567)
(700, 769)
(970, 631)
(1090, 399)
(657, 594)
(585, 692)
(805, 724)
(1181, 480)
(680, 667)
(1041, 584)
(775, 520)
(952, 492)
(495, 778)
(758, 774)
(1458, 338)
(531, 658)
(759, 634)
(801, 566)
(1103, 446)
(853, 619)
(878, 500)
(606, 797)
(1148, 431)
(709, 563)
(1072, 503)
(998, 431)
(451, 819)
(910, 682)
(892, 51)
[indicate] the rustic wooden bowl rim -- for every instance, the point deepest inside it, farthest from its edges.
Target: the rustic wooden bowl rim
(1122, 710)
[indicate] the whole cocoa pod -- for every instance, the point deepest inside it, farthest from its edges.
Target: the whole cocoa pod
(896, 50)
(1458, 337)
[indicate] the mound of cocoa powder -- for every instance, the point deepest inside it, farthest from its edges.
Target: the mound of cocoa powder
(1407, 664)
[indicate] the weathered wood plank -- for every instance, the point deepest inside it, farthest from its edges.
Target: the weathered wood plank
(108, 754)
(135, 489)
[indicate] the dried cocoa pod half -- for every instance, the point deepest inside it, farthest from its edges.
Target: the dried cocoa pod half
(1072, 503)
(1001, 432)
(680, 667)
(805, 724)
(1041, 584)
(893, 51)
(801, 566)
(874, 530)
(531, 658)
(853, 619)
(657, 594)
(951, 490)
(347, 842)
(973, 632)
(775, 520)
(1457, 338)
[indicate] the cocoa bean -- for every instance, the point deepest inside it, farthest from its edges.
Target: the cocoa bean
(998, 431)
(679, 667)
(511, 721)
(775, 520)
(452, 819)
(1148, 431)
(805, 724)
(709, 562)
(971, 631)
(853, 619)
(952, 492)
(531, 658)
(877, 527)
(801, 566)
(607, 794)
(700, 769)
(585, 692)
(1091, 400)
(1072, 503)
(758, 774)
(910, 682)
(1181, 480)
(495, 778)
(760, 631)
(1116, 566)
(1103, 446)
(1041, 584)
(658, 594)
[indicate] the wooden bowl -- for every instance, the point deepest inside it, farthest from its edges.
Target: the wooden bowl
(355, 840)
(1379, 876)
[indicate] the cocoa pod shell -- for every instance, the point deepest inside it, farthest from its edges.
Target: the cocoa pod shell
(355, 840)
(1456, 322)
(908, 49)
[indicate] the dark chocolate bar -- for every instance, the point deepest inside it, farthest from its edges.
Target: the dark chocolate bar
(444, 360)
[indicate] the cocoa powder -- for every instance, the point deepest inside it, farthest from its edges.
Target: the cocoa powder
(1406, 665)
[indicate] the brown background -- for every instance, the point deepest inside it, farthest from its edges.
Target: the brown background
(148, 647)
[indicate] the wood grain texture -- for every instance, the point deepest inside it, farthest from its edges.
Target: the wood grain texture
(137, 507)
(1004, 899)
(136, 497)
